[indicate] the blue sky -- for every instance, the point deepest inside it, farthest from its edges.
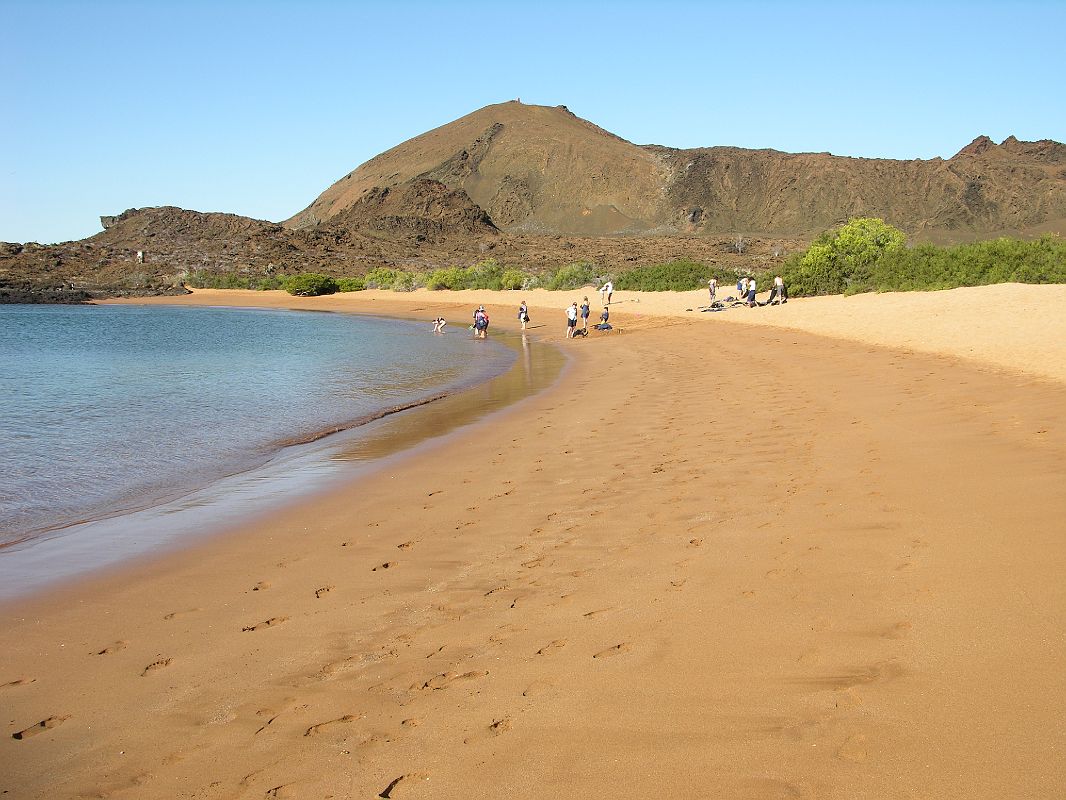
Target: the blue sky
(255, 107)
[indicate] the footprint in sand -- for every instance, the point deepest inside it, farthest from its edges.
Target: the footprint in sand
(853, 749)
(155, 666)
(176, 614)
(323, 727)
(596, 612)
(499, 726)
(618, 649)
(405, 545)
(446, 679)
(386, 565)
(695, 542)
(113, 648)
(17, 682)
(40, 727)
(323, 590)
(897, 631)
(402, 782)
(265, 624)
(262, 586)
(558, 644)
(874, 673)
(538, 688)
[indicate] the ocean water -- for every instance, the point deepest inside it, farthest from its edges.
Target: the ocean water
(106, 410)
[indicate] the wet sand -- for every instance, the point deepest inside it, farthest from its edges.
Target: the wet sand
(715, 560)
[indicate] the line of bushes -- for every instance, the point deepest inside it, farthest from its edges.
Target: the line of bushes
(867, 255)
(863, 255)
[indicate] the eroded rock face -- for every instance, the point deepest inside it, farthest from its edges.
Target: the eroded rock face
(540, 187)
(535, 169)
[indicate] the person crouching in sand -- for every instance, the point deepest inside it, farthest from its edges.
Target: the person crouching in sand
(438, 324)
(604, 324)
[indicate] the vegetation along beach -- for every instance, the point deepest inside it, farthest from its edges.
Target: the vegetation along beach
(461, 446)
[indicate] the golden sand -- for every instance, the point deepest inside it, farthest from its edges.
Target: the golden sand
(717, 559)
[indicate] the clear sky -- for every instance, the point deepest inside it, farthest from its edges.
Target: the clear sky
(256, 107)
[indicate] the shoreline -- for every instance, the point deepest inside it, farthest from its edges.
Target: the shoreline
(345, 453)
(736, 560)
(1015, 328)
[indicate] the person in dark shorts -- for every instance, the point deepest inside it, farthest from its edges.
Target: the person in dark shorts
(585, 310)
(571, 320)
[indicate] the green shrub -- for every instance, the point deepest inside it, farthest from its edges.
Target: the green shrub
(572, 276)
(453, 278)
(267, 283)
(404, 282)
(928, 267)
(380, 278)
(674, 276)
(310, 284)
(512, 279)
(350, 284)
(486, 274)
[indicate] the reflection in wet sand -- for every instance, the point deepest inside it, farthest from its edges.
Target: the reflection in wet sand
(540, 366)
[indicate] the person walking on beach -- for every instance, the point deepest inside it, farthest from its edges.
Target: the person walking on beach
(606, 290)
(751, 293)
(571, 320)
(782, 292)
(481, 323)
(585, 310)
(523, 314)
(712, 288)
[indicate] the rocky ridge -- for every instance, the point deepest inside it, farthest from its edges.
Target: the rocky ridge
(537, 186)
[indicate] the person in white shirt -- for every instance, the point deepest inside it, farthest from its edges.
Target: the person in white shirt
(712, 288)
(571, 320)
(779, 286)
(607, 289)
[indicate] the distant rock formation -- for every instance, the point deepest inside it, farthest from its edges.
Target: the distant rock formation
(537, 186)
(535, 169)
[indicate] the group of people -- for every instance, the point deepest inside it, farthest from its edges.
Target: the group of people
(582, 312)
(746, 288)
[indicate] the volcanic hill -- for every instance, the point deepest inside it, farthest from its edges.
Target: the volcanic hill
(536, 169)
(537, 187)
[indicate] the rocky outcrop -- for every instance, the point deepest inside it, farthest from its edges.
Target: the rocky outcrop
(542, 170)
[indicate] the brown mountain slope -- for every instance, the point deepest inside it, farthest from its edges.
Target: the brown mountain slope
(531, 168)
(536, 169)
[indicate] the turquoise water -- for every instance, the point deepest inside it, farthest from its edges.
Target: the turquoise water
(110, 409)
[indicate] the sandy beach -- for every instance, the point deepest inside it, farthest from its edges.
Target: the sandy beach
(811, 551)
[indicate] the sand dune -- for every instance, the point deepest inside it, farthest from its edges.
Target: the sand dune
(716, 560)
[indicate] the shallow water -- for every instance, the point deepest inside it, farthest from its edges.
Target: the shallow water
(109, 409)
